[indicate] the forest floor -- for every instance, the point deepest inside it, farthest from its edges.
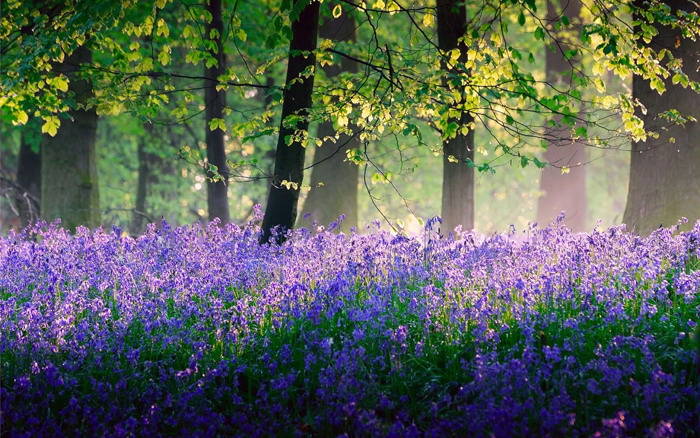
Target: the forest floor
(199, 330)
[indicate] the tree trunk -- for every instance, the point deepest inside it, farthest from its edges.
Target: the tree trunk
(141, 189)
(664, 176)
(281, 209)
(458, 178)
(217, 191)
(146, 177)
(334, 180)
(562, 192)
(29, 175)
(69, 187)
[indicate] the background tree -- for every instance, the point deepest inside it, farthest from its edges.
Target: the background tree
(28, 197)
(147, 175)
(563, 182)
(665, 166)
(334, 188)
(398, 99)
(69, 188)
(458, 134)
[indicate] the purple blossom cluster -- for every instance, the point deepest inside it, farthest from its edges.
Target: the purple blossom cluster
(201, 331)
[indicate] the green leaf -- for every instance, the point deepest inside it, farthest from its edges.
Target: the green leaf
(378, 178)
(521, 19)
(658, 85)
(187, 31)
(60, 83)
(162, 28)
(215, 123)
(21, 117)
(450, 130)
(164, 56)
(356, 156)
(680, 78)
(611, 46)
(51, 126)
(523, 161)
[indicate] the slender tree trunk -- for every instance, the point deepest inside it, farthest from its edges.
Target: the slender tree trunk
(281, 210)
(146, 177)
(333, 179)
(217, 191)
(29, 176)
(458, 177)
(664, 176)
(69, 187)
(562, 192)
(141, 189)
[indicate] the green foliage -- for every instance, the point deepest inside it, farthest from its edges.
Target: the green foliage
(148, 61)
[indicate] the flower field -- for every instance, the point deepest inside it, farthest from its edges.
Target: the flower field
(200, 331)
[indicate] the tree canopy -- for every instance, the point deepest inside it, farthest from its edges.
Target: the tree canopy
(148, 61)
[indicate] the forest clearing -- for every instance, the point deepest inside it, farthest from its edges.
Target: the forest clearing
(201, 331)
(393, 218)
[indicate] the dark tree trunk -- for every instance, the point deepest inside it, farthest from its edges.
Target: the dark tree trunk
(338, 193)
(69, 187)
(665, 177)
(281, 209)
(29, 175)
(458, 178)
(141, 189)
(146, 177)
(562, 192)
(217, 191)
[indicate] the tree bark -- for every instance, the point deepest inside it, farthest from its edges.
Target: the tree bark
(458, 178)
(281, 209)
(334, 180)
(562, 192)
(141, 189)
(215, 101)
(664, 176)
(69, 187)
(146, 177)
(29, 176)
